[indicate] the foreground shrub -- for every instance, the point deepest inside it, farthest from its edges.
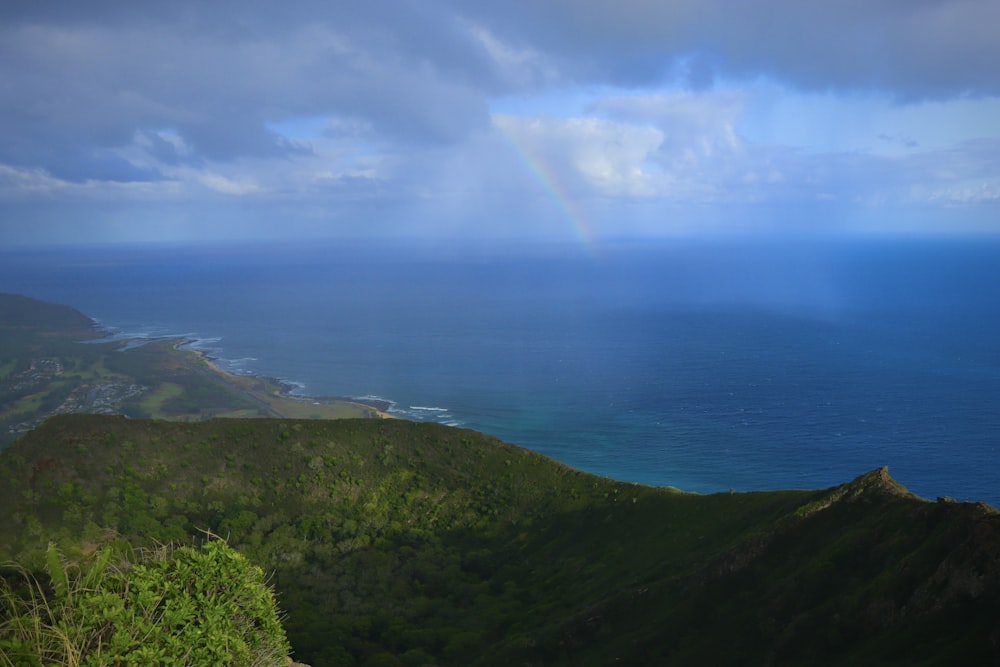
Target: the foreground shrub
(183, 606)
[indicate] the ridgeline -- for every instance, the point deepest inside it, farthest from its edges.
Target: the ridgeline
(398, 543)
(427, 544)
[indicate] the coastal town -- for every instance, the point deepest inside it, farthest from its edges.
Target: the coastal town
(100, 397)
(51, 364)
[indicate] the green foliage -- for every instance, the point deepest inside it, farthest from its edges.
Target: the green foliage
(423, 544)
(189, 606)
(57, 573)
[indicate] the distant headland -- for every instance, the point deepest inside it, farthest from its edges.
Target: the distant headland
(56, 360)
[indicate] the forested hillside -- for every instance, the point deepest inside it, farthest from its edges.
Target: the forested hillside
(393, 542)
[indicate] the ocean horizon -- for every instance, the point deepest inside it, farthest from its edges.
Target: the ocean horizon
(707, 366)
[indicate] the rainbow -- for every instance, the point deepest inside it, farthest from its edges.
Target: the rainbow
(550, 183)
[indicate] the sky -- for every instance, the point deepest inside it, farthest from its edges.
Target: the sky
(578, 120)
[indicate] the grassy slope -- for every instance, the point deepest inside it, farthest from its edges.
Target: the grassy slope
(402, 543)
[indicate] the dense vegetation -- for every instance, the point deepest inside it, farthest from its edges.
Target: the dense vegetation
(206, 606)
(394, 543)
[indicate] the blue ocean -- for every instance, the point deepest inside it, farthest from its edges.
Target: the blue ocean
(708, 366)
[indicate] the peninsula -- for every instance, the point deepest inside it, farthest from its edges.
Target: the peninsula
(56, 360)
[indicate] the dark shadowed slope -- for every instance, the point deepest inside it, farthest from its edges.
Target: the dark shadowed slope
(400, 543)
(25, 313)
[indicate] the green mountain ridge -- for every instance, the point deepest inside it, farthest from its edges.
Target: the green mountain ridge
(418, 544)
(398, 543)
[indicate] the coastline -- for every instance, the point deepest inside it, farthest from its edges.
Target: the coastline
(67, 363)
(275, 396)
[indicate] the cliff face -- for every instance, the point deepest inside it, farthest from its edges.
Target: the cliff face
(425, 544)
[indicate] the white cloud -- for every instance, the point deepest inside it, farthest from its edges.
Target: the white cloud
(15, 181)
(590, 155)
(227, 186)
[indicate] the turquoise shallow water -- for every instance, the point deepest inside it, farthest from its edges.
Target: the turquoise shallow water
(701, 366)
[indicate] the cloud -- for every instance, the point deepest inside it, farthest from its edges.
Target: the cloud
(217, 81)
(908, 50)
(218, 73)
(699, 149)
(332, 112)
(227, 186)
(898, 140)
(589, 155)
(19, 181)
(686, 149)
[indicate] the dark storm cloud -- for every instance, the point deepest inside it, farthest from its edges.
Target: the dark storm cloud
(236, 137)
(94, 75)
(127, 91)
(909, 49)
(102, 167)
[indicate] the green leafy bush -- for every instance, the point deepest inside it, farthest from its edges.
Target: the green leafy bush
(183, 606)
